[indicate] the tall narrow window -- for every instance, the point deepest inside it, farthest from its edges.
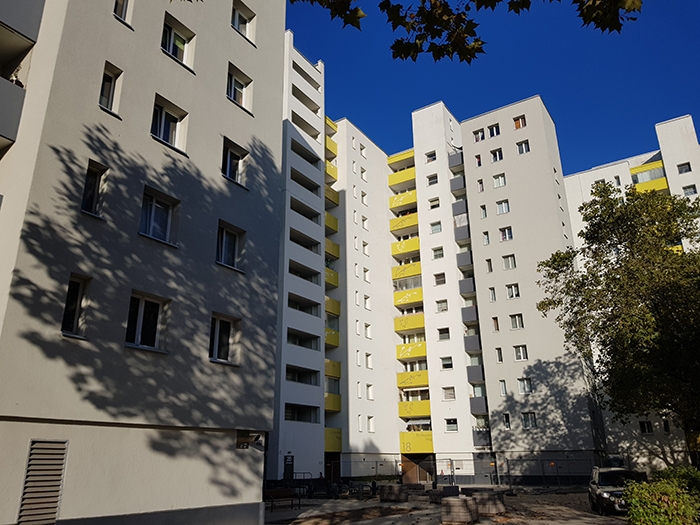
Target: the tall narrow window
(143, 322)
(165, 124)
(227, 247)
(91, 190)
(120, 8)
(233, 162)
(489, 266)
(223, 339)
(499, 355)
(108, 87)
(370, 423)
(242, 19)
(502, 386)
(238, 86)
(73, 307)
(494, 322)
(492, 295)
(482, 211)
(174, 43)
(477, 159)
(486, 238)
(156, 215)
(506, 421)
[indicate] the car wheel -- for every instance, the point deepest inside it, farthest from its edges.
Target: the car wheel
(593, 505)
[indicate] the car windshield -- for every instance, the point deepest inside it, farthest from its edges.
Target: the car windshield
(615, 479)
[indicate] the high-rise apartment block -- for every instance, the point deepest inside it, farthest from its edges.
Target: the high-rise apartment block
(206, 283)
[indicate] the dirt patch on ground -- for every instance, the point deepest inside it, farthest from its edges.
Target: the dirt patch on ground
(347, 516)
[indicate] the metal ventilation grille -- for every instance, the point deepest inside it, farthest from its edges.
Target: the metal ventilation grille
(42, 485)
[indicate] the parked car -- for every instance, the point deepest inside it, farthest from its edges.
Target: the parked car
(606, 487)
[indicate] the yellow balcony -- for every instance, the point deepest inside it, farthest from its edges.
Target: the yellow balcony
(332, 249)
(416, 442)
(331, 278)
(400, 157)
(331, 224)
(411, 350)
(332, 306)
(408, 297)
(332, 368)
(414, 409)
(409, 322)
(402, 177)
(332, 197)
(653, 185)
(331, 124)
(401, 223)
(331, 173)
(412, 379)
(333, 440)
(405, 270)
(332, 403)
(405, 247)
(401, 200)
(332, 337)
(678, 248)
(331, 146)
(647, 167)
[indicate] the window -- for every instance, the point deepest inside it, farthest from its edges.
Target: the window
(363, 151)
(446, 363)
(684, 168)
(494, 130)
(304, 413)
(227, 246)
(492, 295)
(73, 309)
(506, 234)
(354, 166)
(451, 425)
(502, 386)
(359, 390)
(448, 393)
(497, 155)
(645, 427)
(523, 147)
(506, 421)
(529, 420)
(489, 266)
(443, 334)
(108, 89)
(441, 305)
(502, 207)
(432, 179)
(516, 321)
(480, 185)
(367, 302)
(430, 157)
(120, 8)
(479, 135)
(520, 352)
(365, 274)
(519, 122)
(439, 279)
(238, 86)
(486, 238)
(435, 227)
(357, 326)
(368, 361)
(667, 426)
(368, 331)
(369, 390)
(363, 198)
(494, 322)
(353, 143)
(91, 190)
(617, 181)
(165, 124)
(438, 253)
(512, 291)
(434, 203)
(508, 262)
(477, 159)
(301, 375)
(242, 19)
(499, 180)
(359, 422)
(363, 174)
(365, 248)
(364, 223)
(370, 423)
(499, 355)
(525, 385)
(224, 339)
(156, 217)
(233, 163)
(690, 190)
(174, 42)
(143, 325)
(482, 210)
(356, 243)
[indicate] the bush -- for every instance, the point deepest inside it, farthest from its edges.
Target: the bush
(672, 498)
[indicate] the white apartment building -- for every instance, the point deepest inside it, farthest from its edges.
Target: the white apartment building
(140, 183)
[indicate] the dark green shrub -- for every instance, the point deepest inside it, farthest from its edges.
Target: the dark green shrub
(664, 501)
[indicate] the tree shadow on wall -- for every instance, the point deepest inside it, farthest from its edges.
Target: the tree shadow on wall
(191, 401)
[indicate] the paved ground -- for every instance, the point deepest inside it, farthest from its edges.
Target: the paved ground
(524, 509)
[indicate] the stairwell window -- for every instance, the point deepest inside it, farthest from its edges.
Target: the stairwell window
(446, 363)
(486, 238)
(224, 339)
(432, 179)
(430, 157)
(144, 321)
(439, 279)
(75, 303)
(482, 211)
(434, 203)
(441, 305)
(506, 421)
(239, 87)
(435, 227)
(489, 266)
(443, 334)
(438, 253)
(502, 386)
(499, 355)
(448, 393)
(451, 425)
(492, 295)
(523, 147)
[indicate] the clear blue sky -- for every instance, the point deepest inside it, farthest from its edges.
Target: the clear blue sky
(605, 92)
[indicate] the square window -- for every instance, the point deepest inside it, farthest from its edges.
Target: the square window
(489, 266)
(512, 291)
(525, 385)
(645, 427)
(432, 179)
(91, 190)
(523, 147)
(482, 210)
(479, 135)
(446, 363)
(529, 420)
(166, 122)
(430, 157)
(439, 279)
(451, 425)
(233, 161)
(448, 393)
(434, 203)
(499, 355)
(506, 421)
(108, 89)
(486, 238)
(494, 130)
(435, 227)
(75, 303)
(224, 339)
(497, 155)
(370, 423)
(520, 352)
(690, 190)
(238, 87)
(684, 168)
(368, 361)
(120, 7)
(242, 19)
(477, 159)
(494, 323)
(443, 334)
(509, 262)
(502, 387)
(156, 217)
(502, 207)
(516, 322)
(480, 185)
(228, 246)
(492, 295)
(144, 321)
(499, 180)
(519, 122)
(441, 305)
(506, 234)
(438, 253)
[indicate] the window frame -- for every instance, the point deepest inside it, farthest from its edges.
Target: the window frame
(438, 253)
(441, 306)
(496, 155)
(431, 156)
(523, 147)
(434, 203)
(513, 291)
(231, 148)
(520, 352)
(684, 167)
(499, 354)
(449, 393)
(233, 342)
(502, 207)
(516, 321)
(440, 279)
(171, 33)
(529, 420)
(78, 306)
(158, 121)
(451, 427)
(155, 201)
(690, 190)
(436, 227)
(238, 87)
(222, 249)
(503, 389)
(112, 88)
(93, 188)
(507, 260)
(121, 13)
(432, 179)
(479, 135)
(497, 179)
(506, 233)
(494, 130)
(139, 328)
(443, 334)
(519, 122)
(525, 386)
